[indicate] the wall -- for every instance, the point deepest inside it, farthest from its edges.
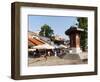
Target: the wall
(5, 40)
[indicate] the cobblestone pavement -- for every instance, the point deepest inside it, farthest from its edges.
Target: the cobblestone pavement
(70, 59)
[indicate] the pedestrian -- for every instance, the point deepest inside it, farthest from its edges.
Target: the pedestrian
(45, 56)
(48, 53)
(55, 53)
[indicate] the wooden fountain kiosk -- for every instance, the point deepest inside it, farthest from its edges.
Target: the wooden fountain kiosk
(74, 33)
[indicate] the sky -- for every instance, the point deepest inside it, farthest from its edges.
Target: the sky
(58, 23)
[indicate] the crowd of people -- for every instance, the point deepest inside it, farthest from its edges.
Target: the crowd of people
(46, 52)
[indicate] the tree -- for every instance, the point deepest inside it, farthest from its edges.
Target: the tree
(83, 23)
(46, 31)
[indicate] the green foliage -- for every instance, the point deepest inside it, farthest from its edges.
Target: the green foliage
(83, 23)
(46, 31)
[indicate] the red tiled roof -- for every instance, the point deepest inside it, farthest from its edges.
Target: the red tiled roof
(30, 43)
(35, 41)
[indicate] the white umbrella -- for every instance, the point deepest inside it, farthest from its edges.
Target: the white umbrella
(62, 46)
(31, 49)
(44, 46)
(56, 46)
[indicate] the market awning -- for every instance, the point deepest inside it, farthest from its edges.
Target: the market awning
(44, 46)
